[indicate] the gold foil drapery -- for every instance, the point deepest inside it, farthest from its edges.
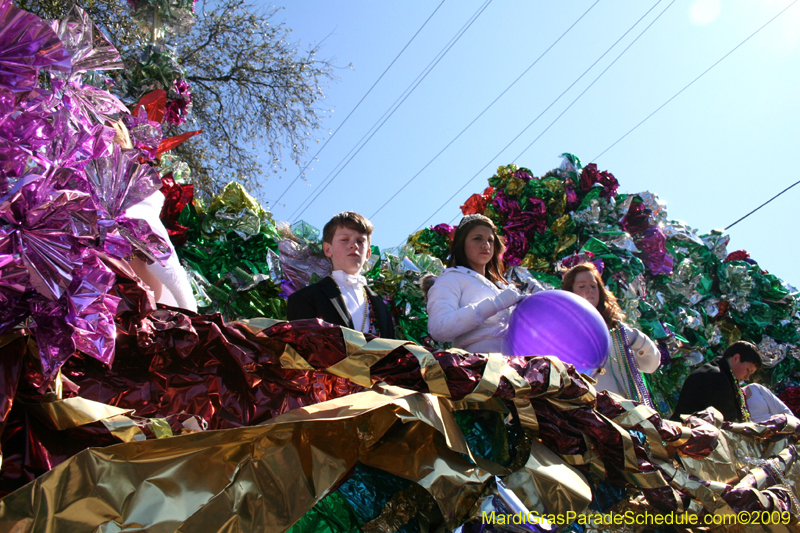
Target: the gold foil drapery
(264, 478)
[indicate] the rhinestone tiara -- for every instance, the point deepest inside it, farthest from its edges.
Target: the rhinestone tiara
(475, 216)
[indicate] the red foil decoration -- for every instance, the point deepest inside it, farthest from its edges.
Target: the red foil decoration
(477, 202)
(177, 198)
(738, 255)
(791, 397)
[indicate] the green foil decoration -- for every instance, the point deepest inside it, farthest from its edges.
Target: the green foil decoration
(430, 242)
(333, 514)
(231, 255)
(485, 434)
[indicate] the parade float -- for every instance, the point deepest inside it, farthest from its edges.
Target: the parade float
(120, 413)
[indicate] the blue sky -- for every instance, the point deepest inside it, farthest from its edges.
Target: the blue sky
(719, 149)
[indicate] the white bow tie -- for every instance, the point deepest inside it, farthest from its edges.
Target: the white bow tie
(349, 279)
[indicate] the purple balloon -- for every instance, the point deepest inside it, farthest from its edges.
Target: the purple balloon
(563, 324)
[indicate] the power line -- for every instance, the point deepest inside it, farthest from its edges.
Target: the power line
(597, 78)
(406, 184)
(359, 103)
(762, 205)
(375, 128)
(388, 113)
(694, 80)
(535, 119)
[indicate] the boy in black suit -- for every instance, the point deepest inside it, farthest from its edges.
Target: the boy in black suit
(717, 384)
(343, 298)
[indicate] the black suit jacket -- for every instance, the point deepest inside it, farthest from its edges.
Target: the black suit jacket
(324, 300)
(710, 385)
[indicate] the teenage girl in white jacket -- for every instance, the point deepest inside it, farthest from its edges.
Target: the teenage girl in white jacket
(632, 352)
(470, 304)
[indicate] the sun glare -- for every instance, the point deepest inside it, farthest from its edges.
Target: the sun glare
(704, 12)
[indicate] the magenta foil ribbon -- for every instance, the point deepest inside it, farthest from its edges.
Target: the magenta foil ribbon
(119, 182)
(64, 189)
(50, 266)
(26, 45)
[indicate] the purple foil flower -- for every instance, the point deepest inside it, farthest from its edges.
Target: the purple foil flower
(89, 105)
(90, 50)
(528, 222)
(22, 134)
(82, 319)
(47, 229)
(532, 220)
(591, 176)
(653, 244)
(53, 335)
(74, 144)
(145, 134)
(36, 139)
(520, 227)
(638, 217)
(649, 238)
(86, 44)
(51, 272)
(26, 45)
(445, 230)
(523, 174)
(516, 248)
(91, 310)
(505, 205)
(119, 182)
(179, 104)
(572, 197)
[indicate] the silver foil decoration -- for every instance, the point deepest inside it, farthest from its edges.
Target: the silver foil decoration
(711, 307)
(772, 353)
(588, 216)
(713, 334)
(677, 229)
(717, 242)
(623, 241)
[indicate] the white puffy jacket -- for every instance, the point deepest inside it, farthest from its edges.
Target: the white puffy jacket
(762, 403)
(470, 311)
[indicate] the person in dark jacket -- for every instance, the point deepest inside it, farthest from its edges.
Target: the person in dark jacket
(716, 384)
(343, 298)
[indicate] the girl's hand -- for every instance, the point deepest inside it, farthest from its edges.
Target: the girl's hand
(491, 306)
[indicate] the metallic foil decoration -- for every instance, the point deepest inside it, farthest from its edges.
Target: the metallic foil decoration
(52, 232)
(771, 352)
(160, 15)
(269, 475)
(306, 232)
(675, 229)
(27, 44)
(590, 215)
(90, 50)
(119, 182)
(623, 241)
(205, 480)
(299, 263)
(717, 242)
